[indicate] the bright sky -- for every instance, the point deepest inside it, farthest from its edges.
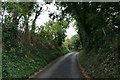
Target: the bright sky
(44, 17)
(70, 31)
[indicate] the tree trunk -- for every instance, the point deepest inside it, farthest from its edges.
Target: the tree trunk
(26, 33)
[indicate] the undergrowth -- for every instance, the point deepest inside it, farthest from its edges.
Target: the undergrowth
(27, 60)
(104, 65)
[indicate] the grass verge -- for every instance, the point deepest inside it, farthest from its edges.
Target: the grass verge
(100, 65)
(25, 63)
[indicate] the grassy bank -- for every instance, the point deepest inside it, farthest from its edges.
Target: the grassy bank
(23, 63)
(103, 65)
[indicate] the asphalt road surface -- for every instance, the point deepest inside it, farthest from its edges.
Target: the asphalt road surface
(64, 67)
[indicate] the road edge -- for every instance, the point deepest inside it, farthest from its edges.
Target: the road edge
(41, 69)
(82, 69)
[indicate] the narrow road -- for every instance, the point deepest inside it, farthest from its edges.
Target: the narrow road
(64, 67)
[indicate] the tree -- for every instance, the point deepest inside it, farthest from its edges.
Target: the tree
(94, 21)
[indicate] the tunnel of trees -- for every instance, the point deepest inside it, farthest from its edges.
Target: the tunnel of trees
(25, 43)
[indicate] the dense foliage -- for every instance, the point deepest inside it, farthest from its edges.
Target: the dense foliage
(73, 43)
(26, 46)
